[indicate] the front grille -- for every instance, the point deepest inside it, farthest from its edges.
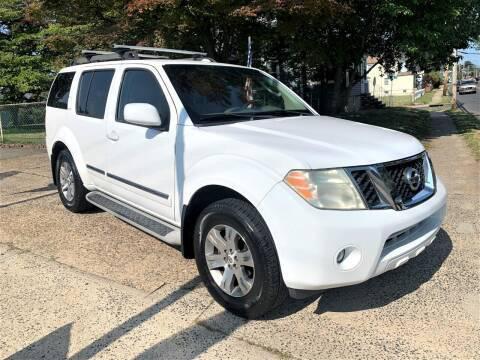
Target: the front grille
(385, 185)
(400, 186)
(366, 187)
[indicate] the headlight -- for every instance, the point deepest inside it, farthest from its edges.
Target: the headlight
(326, 189)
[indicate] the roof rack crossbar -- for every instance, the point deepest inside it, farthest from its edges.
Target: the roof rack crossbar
(148, 56)
(163, 50)
(96, 52)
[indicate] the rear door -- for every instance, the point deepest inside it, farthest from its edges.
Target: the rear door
(141, 159)
(89, 122)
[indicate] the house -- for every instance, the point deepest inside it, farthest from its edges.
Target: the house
(383, 84)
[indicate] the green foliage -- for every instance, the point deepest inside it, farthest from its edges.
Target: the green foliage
(22, 70)
(469, 126)
(411, 121)
(313, 40)
(434, 78)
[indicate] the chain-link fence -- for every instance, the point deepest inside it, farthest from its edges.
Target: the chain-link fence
(22, 123)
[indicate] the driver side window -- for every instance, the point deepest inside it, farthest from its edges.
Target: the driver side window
(141, 86)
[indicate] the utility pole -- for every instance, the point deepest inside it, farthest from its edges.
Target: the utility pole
(250, 55)
(454, 82)
(445, 80)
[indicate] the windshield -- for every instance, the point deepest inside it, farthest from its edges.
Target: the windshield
(221, 94)
(468, 82)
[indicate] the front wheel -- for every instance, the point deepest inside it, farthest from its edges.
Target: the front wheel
(237, 260)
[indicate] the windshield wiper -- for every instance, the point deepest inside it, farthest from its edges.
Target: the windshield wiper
(229, 118)
(300, 112)
(223, 118)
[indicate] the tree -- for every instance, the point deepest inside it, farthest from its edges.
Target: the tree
(32, 49)
(303, 42)
(23, 69)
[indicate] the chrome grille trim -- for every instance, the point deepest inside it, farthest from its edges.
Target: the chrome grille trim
(386, 180)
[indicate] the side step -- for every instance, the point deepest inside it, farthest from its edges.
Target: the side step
(140, 219)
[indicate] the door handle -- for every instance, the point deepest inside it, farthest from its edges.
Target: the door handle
(112, 135)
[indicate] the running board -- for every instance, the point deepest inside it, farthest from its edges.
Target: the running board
(140, 219)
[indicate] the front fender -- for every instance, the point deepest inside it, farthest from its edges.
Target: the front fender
(246, 176)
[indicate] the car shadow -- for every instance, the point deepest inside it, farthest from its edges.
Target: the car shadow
(49, 187)
(381, 290)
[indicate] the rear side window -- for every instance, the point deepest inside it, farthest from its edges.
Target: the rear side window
(60, 91)
(93, 92)
(141, 86)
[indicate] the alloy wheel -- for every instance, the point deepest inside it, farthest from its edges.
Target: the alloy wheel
(229, 260)
(67, 181)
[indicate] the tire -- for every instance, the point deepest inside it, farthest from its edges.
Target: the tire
(262, 287)
(74, 201)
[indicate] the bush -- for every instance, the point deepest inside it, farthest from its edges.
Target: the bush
(433, 79)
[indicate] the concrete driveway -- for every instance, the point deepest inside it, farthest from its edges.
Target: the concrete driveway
(83, 286)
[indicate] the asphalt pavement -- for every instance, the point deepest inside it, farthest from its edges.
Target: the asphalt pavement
(470, 102)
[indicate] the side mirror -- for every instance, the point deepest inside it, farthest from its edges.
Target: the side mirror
(142, 114)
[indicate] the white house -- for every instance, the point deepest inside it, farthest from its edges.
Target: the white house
(399, 83)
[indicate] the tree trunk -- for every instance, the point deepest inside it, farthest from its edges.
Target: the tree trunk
(445, 81)
(338, 100)
(304, 81)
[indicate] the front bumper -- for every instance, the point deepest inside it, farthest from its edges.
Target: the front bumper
(467, 91)
(308, 240)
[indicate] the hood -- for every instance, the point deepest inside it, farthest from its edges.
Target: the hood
(315, 142)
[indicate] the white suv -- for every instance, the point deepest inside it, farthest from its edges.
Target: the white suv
(235, 169)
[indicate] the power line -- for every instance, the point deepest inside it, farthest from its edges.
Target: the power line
(469, 53)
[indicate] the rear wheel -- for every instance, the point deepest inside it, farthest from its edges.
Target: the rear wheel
(237, 260)
(69, 184)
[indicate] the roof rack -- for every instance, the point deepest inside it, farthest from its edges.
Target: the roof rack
(130, 52)
(161, 50)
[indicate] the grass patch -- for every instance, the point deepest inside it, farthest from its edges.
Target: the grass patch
(469, 126)
(446, 100)
(406, 100)
(400, 100)
(411, 121)
(24, 136)
(425, 99)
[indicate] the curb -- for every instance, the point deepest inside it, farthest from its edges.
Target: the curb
(26, 146)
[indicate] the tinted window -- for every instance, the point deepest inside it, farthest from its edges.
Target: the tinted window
(93, 92)
(141, 86)
(213, 93)
(83, 86)
(60, 90)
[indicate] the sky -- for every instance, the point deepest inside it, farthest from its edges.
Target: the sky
(473, 55)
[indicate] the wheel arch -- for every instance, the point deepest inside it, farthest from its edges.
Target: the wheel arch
(56, 149)
(199, 201)
(65, 140)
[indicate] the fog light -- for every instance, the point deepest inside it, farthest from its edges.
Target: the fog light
(348, 258)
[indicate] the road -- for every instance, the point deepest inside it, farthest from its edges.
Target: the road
(88, 285)
(471, 102)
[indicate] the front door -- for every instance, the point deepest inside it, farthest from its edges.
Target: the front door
(140, 166)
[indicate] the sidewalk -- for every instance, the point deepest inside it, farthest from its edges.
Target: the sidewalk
(52, 311)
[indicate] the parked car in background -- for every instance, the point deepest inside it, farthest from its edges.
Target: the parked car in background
(232, 167)
(467, 86)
